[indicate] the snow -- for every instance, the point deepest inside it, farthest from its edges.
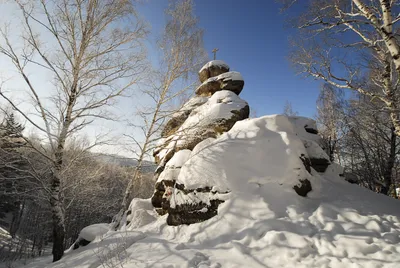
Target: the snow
(94, 231)
(263, 222)
(142, 213)
(314, 150)
(217, 63)
(229, 76)
(190, 105)
(169, 174)
(219, 106)
(201, 145)
(4, 234)
(235, 76)
(178, 198)
(194, 102)
(273, 134)
(178, 159)
(301, 123)
(173, 167)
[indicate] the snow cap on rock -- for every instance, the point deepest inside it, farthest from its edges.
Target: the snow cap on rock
(213, 68)
(232, 81)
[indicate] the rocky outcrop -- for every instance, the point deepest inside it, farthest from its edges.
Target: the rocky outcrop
(180, 116)
(213, 111)
(232, 81)
(193, 213)
(168, 178)
(90, 233)
(212, 69)
(201, 123)
(318, 157)
(217, 115)
(303, 188)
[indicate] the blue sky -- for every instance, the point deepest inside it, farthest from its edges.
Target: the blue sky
(252, 38)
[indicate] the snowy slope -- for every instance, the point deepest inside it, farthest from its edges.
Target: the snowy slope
(263, 222)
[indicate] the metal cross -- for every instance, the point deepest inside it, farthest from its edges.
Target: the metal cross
(215, 52)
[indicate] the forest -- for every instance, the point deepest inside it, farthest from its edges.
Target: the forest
(69, 68)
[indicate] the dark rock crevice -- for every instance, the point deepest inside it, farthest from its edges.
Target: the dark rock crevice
(303, 188)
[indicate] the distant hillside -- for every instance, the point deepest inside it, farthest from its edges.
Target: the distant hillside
(148, 166)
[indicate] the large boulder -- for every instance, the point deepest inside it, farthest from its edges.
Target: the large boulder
(203, 205)
(318, 157)
(232, 81)
(257, 151)
(213, 68)
(167, 179)
(179, 117)
(216, 116)
(213, 111)
(209, 87)
(303, 187)
(90, 233)
(307, 130)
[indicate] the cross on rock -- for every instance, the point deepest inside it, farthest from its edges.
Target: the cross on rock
(215, 53)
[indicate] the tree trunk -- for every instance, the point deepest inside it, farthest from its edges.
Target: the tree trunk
(57, 217)
(16, 220)
(332, 148)
(387, 176)
(394, 115)
(56, 199)
(128, 196)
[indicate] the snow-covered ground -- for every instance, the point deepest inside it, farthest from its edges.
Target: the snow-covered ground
(263, 222)
(16, 252)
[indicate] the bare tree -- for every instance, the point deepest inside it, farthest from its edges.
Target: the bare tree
(182, 53)
(331, 120)
(348, 43)
(93, 53)
(92, 188)
(288, 110)
(370, 146)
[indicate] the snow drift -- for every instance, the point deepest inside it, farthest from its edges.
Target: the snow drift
(262, 222)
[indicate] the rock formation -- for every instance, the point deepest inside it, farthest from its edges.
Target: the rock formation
(214, 109)
(212, 69)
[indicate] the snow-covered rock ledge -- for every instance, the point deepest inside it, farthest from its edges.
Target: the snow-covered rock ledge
(213, 111)
(237, 192)
(253, 168)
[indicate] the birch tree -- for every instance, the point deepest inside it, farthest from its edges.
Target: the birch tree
(370, 146)
(340, 38)
(331, 120)
(182, 54)
(92, 52)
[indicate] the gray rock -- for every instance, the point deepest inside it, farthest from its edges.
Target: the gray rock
(231, 81)
(303, 188)
(320, 164)
(212, 69)
(180, 116)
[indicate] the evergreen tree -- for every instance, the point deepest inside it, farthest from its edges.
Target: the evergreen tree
(10, 133)
(11, 170)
